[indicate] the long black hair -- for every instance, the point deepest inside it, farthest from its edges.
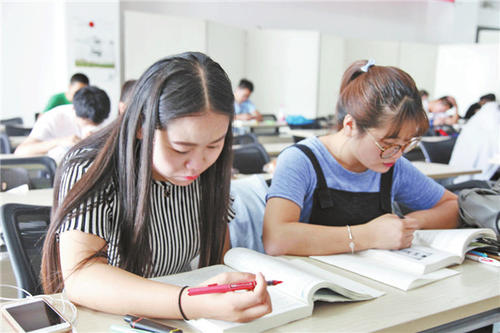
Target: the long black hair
(181, 85)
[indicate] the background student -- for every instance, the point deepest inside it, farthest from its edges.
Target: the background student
(125, 94)
(146, 195)
(64, 126)
(340, 187)
(76, 82)
(474, 108)
(243, 107)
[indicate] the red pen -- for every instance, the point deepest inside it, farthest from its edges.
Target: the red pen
(224, 288)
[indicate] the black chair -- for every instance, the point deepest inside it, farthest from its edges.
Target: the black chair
(13, 177)
(5, 147)
(12, 121)
(41, 169)
(250, 158)
(244, 139)
(24, 230)
(415, 155)
(11, 130)
(268, 131)
(438, 151)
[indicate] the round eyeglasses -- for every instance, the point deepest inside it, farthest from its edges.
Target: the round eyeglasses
(392, 150)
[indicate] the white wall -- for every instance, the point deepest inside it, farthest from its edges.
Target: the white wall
(227, 46)
(467, 72)
(331, 68)
(33, 66)
(384, 53)
(151, 37)
(419, 60)
(283, 65)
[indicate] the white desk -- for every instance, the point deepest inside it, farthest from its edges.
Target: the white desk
(16, 141)
(33, 197)
(307, 133)
(475, 290)
(273, 149)
(439, 171)
(253, 124)
(495, 159)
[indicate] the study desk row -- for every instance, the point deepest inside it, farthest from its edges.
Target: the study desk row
(44, 197)
(459, 303)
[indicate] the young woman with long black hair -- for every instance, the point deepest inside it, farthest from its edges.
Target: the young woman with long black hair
(146, 195)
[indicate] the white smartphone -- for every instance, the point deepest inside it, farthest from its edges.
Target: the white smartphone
(34, 315)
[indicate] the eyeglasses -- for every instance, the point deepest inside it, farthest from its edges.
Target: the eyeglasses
(392, 150)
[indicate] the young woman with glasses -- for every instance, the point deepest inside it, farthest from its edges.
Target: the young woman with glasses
(334, 193)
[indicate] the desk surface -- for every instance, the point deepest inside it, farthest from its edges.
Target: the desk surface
(495, 159)
(307, 133)
(33, 197)
(473, 291)
(438, 170)
(259, 124)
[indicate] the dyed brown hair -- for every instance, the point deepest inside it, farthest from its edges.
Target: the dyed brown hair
(382, 95)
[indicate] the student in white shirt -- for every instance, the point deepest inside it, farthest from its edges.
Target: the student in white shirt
(478, 143)
(65, 125)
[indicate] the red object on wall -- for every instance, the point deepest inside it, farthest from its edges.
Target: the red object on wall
(91, 24)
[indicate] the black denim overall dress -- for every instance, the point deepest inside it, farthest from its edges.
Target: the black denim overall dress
(334, 207)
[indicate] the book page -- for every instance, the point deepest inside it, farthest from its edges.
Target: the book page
(455, 241)
(416, 259)
(376, 270)
(335, 288)
(296, 282)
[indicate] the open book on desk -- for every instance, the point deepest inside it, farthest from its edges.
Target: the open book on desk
(303, 283)
(422, 263)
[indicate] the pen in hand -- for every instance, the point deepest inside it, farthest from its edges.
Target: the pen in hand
(224, 288)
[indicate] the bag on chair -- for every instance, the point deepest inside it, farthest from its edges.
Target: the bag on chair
(480, 207)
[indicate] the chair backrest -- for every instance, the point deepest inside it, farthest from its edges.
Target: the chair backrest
(12, 121)
(244, 139)
(250, 158)
(269, 116)
(13, 177)
(5, 147)
(438, 151)
(41, 169)
(24, 230)
(12, 130)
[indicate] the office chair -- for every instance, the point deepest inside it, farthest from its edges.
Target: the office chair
(439, 151)
(250, 158)
(244, 139)
(267, 117)
(415, 155)
(12, 121)
(5, 147)
(41, 169)
(13, 177)
(12, 130)
(24, 230)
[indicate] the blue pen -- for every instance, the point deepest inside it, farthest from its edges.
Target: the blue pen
(478, 253)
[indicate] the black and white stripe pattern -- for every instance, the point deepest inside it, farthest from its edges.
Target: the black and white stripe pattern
(175, 226)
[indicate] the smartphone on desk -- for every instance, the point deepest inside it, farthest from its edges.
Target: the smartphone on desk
(34, 315)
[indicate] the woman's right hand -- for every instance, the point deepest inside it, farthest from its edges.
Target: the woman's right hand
(231, 306)
(391, 232)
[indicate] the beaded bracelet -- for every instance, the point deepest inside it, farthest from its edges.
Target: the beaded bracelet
(180, 306)
(351, 241)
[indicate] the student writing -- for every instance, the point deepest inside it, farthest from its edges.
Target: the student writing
(333, 194)
(142, 197)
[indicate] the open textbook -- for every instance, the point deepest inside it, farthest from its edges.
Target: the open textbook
(422, 263)
(303, 283)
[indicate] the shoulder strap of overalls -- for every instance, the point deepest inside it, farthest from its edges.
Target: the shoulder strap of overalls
(385, 191)
(324, 197)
